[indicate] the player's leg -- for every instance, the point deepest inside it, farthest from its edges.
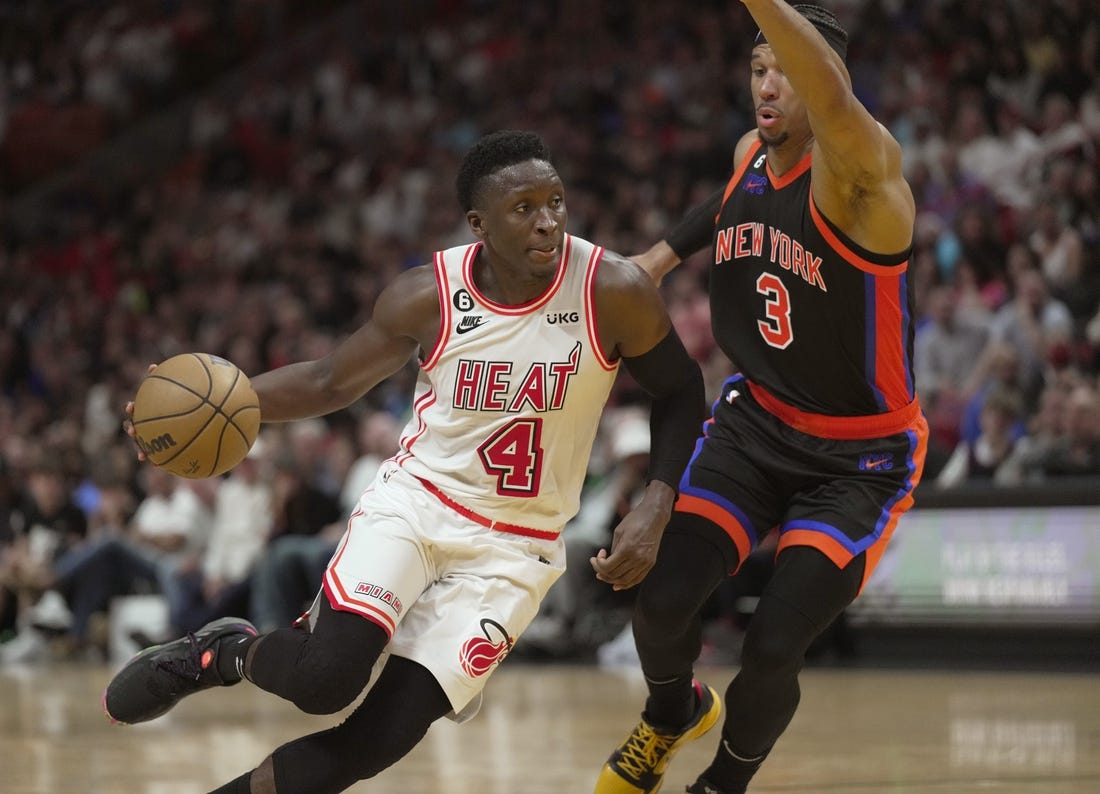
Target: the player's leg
(668, 636)
(717, 521)
(322, 670)
(391, 720)
(805, 595)
(831, 538)
(668, 630)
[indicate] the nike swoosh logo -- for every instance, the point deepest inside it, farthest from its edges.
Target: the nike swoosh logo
(469, 324)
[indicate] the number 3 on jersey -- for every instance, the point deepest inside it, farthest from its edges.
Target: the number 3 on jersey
(776, 328)
(514, 456)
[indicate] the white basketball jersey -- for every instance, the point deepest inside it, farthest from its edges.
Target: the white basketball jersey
(508, 401)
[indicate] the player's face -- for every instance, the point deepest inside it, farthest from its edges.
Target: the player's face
(521, 216)
(780, 114)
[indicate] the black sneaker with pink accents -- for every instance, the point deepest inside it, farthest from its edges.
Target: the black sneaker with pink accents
(159, 677)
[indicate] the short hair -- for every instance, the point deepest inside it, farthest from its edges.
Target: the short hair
(493, 152)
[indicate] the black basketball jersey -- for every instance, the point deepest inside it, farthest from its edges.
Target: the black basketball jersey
(819, 322)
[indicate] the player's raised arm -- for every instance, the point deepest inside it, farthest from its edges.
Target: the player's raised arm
(405, 317)
(857, 178)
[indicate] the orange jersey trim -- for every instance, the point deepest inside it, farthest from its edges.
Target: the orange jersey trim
(840, 428)
(719, 517)
(854, 259)
(834, 550)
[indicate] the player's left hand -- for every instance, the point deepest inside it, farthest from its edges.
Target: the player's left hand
(634, 545)
(128, 420)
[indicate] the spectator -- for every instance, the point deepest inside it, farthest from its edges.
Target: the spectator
(145, 553)
(243, 513)
(1058, 246)
(45, 524)
(984, 459)
(1076, 453)
(1032, 323)
(306, 528)
(945, 349)
(378, 437)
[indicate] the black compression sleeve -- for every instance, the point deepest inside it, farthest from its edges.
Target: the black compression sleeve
(696, 229)
(673, 379)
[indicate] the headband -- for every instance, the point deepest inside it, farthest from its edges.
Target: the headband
(834, 37)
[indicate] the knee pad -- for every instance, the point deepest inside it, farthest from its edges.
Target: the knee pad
(320, 672)
(333, 674)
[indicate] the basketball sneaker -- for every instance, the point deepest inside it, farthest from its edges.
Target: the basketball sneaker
(159, 677)
(638, 765)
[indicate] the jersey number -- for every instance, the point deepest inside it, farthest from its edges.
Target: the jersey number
(776, 327)
(514, 456)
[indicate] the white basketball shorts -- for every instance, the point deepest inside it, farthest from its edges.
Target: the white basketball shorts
(452, 594)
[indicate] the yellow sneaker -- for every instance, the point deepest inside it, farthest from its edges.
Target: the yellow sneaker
(638, 765)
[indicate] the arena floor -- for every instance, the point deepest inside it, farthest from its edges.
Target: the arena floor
(547, 730)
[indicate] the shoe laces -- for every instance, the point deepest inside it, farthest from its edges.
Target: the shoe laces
(189, 666)
(644, 750)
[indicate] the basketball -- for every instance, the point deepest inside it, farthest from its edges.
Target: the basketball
(196, 415)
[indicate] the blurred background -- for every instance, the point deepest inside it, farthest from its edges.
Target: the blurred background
(242, 177)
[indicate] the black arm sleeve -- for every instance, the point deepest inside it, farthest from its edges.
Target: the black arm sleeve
(674, 382)
(696, 229)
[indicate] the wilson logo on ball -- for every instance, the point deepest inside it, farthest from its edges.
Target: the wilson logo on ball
(158, 444)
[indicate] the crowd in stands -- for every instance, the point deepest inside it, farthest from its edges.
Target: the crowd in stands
(298, 195)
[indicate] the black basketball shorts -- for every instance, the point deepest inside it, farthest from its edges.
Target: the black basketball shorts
(815, 478)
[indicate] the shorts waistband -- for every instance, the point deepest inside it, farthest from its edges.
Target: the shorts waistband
(477, 518)
(841, 428)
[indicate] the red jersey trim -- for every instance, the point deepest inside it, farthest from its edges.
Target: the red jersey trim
(442, 285)
(891, 378)
(593, 266)
(532, 305)
(841, 428)
(477, 518)
(425, 401)
(339, 598)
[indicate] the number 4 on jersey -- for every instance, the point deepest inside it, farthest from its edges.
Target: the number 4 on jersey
(514, 456)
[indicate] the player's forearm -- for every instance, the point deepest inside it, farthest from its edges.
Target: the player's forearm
(658, 261)
(695, 230)
(675, 383)
(298, 391)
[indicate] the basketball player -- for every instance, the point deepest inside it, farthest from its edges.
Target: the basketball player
(820, 434)
(449, 552)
